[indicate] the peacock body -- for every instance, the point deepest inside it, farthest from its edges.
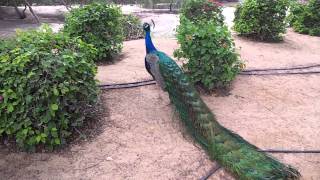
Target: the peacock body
(230, 150)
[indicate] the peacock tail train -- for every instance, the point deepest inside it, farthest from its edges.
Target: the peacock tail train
(230, 150)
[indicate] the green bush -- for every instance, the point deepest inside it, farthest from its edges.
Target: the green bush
(6, 44)
(100, 25)
(295, 9)
(202, 10)
(206, 45)
(210, 53)
(132, 27)
(47, 87)
(261, 19)
(306, 18)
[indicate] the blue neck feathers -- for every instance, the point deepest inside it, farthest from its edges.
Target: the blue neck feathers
(149, 45)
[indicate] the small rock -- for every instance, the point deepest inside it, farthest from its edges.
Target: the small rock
(109, 159)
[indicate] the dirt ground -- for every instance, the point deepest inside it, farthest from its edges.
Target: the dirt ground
(272, 112)
(143, 138)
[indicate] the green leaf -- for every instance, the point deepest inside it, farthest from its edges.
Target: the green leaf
(43, 135)
(10, 108)
(28, 99)
(57, 141)
(38, 138)
(54, 107)
(54, 132)
(25, 131)
(55, 91)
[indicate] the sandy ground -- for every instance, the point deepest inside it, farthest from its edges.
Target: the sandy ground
(144, 139)
(297, 49)
(272, 112)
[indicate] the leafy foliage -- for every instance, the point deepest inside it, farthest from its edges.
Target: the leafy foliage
(47, 87)
(261, 19)
(295, 9)
(132, 27)
(202, 10)
(210, 51)
(208, 47)
(305, 18)
(100, 25)
(6, 44)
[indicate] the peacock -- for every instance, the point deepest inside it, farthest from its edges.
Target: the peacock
(235, 154)
(149, 47)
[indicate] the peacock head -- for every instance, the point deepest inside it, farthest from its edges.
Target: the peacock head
(147, 26)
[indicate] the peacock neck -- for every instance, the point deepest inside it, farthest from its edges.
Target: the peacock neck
(149, 45)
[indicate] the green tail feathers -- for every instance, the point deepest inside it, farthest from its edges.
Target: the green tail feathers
(231, 151)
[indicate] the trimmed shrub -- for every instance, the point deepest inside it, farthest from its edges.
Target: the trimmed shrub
(306, 18)
(210, 53)
(6, 44)
(132, 27)
(261, 19)
(295, 10)
(202, 10)
(208, 48)
(98, 24)
(47, 87)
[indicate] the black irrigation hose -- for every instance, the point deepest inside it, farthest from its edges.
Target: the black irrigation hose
(120, 84)
(126, 85)
(213, 170)
(291, 151)
(151, 81)
(283, 69)
(249, 72)
(278, 73)
(244, 73)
